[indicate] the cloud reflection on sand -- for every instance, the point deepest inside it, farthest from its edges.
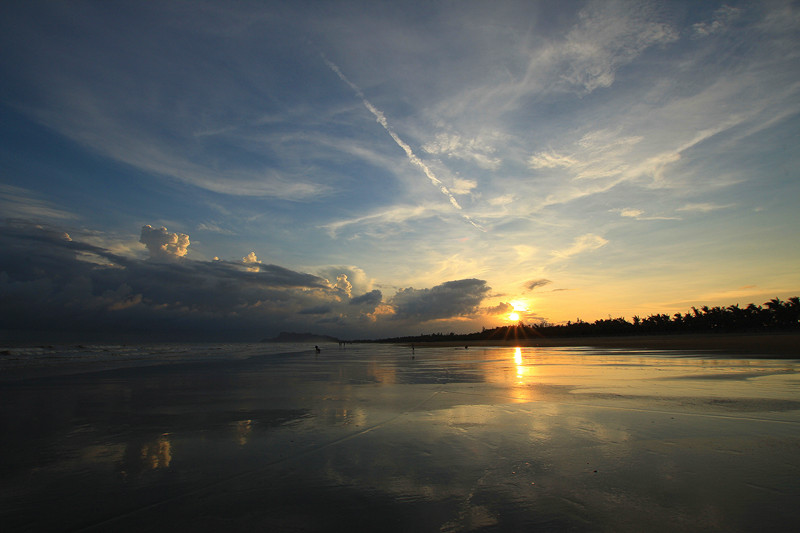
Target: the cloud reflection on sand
(157, 454)
(454, 439)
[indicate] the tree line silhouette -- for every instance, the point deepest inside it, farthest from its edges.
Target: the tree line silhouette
(774, 315)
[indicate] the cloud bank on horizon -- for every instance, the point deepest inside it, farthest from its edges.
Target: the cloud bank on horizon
(609, 157)
(79, 287)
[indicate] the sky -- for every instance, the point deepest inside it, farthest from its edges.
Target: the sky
(370, 169)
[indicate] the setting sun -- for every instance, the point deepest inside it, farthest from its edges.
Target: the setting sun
(518, 306)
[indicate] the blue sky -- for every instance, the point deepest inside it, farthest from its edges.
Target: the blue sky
(383, 168)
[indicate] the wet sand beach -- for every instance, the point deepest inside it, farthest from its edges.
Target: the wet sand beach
(780, 345)
(377, 438)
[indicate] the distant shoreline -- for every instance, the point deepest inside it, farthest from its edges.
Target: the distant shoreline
(774, 345)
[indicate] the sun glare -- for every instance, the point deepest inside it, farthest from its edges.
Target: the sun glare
(518, 306)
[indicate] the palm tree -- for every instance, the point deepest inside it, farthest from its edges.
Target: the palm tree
(736, 317)
(792, 307)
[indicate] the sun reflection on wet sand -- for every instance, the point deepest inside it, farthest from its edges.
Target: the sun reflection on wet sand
(513, 438)
(157, 454)
(243, 428)
(522, 369)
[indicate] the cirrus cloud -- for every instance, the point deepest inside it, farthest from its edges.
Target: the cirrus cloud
(584, 243)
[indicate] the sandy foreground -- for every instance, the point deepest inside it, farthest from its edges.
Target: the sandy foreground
(383, 438)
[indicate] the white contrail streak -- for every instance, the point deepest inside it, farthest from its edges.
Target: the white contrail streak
(412, 157)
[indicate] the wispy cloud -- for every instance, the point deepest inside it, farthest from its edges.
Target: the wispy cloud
(412, 157)
(630, 213)
(214, 228)
(550, 159)
(638, 214)
(17, 202)
(584, 243)
(720, 21)
(501, 200)
(704, 207)
(393, 216)
(478, 150)
(586, 56)
(608, 36)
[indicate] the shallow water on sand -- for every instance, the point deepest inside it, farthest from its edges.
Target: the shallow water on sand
(377, 437)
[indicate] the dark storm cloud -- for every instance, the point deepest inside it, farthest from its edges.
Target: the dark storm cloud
(56, 284)
(50, 282)
(450, 299)
(502, 308)
(370, 299)
(319, 310)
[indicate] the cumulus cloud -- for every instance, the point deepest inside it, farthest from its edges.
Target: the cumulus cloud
(450, 299)
(500, 309)
(356, 277)
(342, 286)
(252, 262)
(162, 245)
(536, 283)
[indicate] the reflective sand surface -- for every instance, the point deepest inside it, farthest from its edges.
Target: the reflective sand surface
(369, 438)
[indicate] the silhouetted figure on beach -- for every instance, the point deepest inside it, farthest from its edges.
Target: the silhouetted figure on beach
(317, 348)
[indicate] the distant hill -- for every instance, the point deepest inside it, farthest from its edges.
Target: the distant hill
(288, 336)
